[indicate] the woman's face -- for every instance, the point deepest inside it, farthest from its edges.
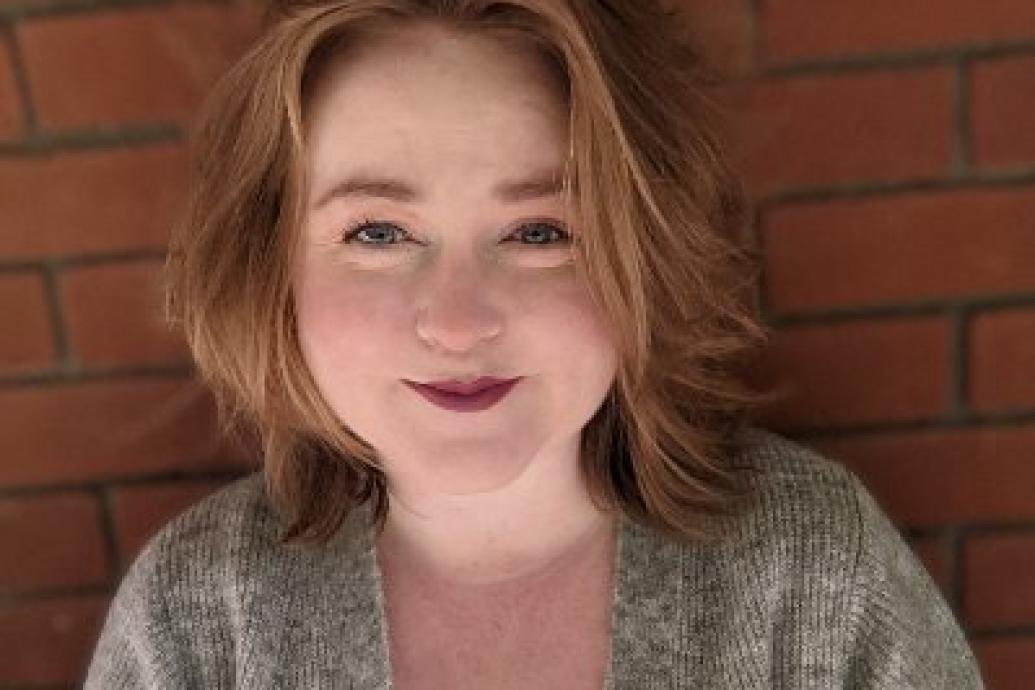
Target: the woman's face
(447, 279)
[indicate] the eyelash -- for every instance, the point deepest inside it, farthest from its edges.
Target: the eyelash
(352, 231)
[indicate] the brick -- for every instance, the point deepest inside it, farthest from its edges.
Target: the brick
(1003, 93)
(937, 558)
(145, 64)
(1007, 664)
(51, 541)
(903, 248)
(107, 429)
(805, 30)
(820, 131)
(26, 342)
(90, 202)
(938, 478)
(54, 638)
(114, 315)
(1002, 369)
(140, 511)
(10, 110)
(1000, 580)
(721, 30)
(858, 372)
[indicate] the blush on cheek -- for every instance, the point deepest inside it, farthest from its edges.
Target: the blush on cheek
(351, 321)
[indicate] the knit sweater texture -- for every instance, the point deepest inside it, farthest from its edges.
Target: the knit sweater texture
(814, 588)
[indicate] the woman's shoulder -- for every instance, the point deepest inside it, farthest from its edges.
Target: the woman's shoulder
(215, 584)
(828, 534)
(198, 549)
(806, 519)
(175, 590)
(807, 498)
(235, 534)
(797, 490)
(200, 535)
(813, 519)
(784, 462)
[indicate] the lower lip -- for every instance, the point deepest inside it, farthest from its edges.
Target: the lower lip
(457, 402)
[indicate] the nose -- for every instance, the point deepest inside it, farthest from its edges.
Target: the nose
(457, 311)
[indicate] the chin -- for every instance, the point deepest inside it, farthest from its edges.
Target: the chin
(463, 474)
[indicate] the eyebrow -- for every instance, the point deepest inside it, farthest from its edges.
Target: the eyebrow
(541, 184)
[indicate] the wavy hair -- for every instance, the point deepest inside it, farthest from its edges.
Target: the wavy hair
(662, 255)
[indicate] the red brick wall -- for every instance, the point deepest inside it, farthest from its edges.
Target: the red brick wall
(888, 147)
(890, 151)
(103, 434)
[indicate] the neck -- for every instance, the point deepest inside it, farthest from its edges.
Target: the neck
(522, 533)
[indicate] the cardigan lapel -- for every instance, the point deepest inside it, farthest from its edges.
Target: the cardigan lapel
(357, 616)
(652, 611)
(648, 610)
(327, 604)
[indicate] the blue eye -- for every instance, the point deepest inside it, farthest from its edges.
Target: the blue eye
(385, 231)
(543, 230)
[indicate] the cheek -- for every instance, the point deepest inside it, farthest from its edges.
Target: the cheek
(339, 322)
(572, 329)
(579, 311)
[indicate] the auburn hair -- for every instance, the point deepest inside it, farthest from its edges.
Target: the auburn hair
(662, 255)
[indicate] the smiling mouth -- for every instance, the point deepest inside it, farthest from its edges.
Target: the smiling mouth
(461, 388)
(465, 402)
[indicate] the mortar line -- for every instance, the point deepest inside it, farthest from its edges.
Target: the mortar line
(30, 118)
(963, 144)
(64, 354)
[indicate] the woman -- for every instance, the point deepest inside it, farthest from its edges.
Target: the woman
(469, 270)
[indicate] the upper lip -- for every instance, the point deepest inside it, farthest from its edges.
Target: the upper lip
(465, 388)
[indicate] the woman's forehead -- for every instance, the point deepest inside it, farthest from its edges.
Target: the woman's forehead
(424, 64)
(433, 105)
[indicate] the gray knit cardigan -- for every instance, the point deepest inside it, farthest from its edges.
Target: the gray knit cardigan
(815, 589)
